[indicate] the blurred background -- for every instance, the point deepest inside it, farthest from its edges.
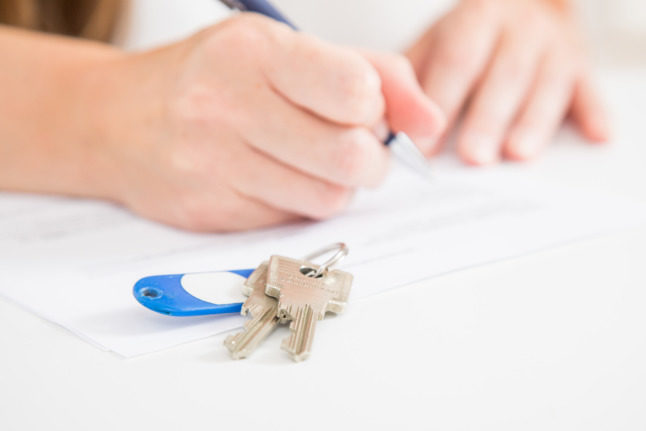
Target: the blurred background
(616, 30)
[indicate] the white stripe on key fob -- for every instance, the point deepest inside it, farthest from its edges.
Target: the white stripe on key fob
(305, 292)
(263, 310)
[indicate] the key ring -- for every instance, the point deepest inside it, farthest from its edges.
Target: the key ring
(341, 252)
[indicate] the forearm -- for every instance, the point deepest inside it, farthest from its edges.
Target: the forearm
(46, 118)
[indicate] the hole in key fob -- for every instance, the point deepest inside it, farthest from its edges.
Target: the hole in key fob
(194, 294)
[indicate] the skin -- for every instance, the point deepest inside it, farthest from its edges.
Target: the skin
(244, 125)
(512, 70)
(248, 124)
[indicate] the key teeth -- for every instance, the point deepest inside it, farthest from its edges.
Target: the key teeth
(255, 330)
(302, 327)
(231, 342)
(263, 316)
(296, 356)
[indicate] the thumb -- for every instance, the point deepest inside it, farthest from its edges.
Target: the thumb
(408, 109)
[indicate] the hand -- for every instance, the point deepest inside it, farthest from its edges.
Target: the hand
(515, 69)
(249, 124)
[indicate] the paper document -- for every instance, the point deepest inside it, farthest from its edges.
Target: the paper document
(74, 262)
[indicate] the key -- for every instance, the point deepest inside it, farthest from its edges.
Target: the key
(263, 310)
(303, 299)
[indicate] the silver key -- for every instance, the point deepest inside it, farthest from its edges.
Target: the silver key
(303, 300)
(263, 310)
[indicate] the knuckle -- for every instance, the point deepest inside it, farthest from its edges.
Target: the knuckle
(331, 200)
(187, 163)
(246, 24)
(257, 29)
(455, 57)
(203, 108)
(190, 158)
(513, 68)
(355, 155)
(242, 34)
(193, 105)
(361, 87)
(400, 63)
(514, 63)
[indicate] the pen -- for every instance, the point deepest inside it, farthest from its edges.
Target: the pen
(399, 143)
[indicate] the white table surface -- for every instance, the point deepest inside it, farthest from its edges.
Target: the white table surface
(553, 340)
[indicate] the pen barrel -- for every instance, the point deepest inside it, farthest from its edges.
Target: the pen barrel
(390, 139)
(259, 6)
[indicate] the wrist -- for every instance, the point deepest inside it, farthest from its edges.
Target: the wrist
(122, 105)
(43, 144)
(82, 157)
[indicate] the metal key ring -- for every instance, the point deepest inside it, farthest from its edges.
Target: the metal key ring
(341, 252)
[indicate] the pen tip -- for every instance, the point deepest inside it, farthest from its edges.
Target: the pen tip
(405, 150)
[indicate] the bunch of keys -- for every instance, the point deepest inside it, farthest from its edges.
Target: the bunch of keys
(280, 290)
(297, 291)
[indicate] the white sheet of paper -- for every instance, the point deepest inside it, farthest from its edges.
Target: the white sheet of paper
(74, 262)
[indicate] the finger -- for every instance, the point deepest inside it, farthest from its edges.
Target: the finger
(224, 212)
(280, 186)
(408, 109)
(544, 109)
(333, 82)
(258, 215)
(497, 99)
(251, 215)
(347, 156)
(458, 53)
(418, 53)
(588, 111)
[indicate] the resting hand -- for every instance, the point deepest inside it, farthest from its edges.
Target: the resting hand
(515, 69)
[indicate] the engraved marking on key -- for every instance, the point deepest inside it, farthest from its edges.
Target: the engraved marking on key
(304, 300)
(263, 310)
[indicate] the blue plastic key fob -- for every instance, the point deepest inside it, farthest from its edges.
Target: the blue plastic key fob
(167, 295)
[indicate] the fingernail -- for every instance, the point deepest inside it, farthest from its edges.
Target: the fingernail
(479, 149)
